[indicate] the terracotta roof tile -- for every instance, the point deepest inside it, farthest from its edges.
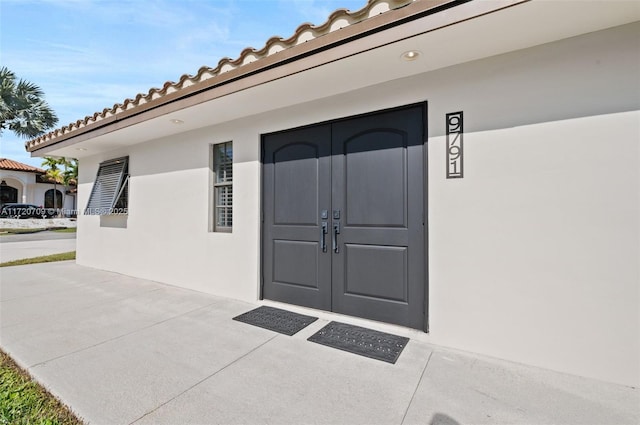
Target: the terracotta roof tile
(337, 20)
(8, 164)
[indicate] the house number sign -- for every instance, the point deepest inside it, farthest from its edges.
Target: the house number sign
(454, 145)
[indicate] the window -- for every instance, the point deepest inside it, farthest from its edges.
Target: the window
(53, 199)
(222, 187)
(8, 194)
(110, 192)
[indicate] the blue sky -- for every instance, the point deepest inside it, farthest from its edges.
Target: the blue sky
(90, 54)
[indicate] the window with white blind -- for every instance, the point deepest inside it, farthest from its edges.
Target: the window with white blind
(110, 192)
(222, 165)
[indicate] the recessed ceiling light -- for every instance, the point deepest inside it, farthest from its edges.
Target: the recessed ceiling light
(81, 149)
(410, 55)
(177, 122)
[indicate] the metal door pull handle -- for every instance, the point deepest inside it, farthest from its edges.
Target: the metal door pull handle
(336, 232)
(323, 231)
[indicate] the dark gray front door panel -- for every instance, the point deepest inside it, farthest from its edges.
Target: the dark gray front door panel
(296, 187)
(368, 174)
(377, 172)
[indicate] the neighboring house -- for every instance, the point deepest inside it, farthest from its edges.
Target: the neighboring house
(23, 183)
(467, 169)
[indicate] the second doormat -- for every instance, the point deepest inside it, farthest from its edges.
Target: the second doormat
(277, 320)
(362, 341)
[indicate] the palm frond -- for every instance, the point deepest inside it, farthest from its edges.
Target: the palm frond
(23, 109)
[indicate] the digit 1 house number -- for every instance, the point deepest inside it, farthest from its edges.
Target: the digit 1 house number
(454, 145)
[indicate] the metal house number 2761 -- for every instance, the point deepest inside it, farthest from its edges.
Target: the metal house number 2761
(454, 145)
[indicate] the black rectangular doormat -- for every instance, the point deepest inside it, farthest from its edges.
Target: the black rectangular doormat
(277, 320)
(362, 341)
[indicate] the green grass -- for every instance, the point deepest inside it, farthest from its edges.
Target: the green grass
(25, 231)
(67, 230)
(44, 259)
(18, 231)
(24, 401)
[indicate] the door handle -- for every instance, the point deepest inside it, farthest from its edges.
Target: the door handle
(323, 231)
(336, 232)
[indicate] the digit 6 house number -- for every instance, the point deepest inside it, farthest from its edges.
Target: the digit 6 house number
(454, 145)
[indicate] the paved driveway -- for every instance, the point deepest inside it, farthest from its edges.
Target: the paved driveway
(20, 246)
(121, 350)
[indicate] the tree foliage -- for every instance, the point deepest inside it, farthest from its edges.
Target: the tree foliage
(23, 109)
(51, 163)
(66, 176)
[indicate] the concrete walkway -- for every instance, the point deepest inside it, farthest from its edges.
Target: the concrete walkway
(121, 350)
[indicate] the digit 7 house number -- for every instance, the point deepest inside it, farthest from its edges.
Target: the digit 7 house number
(454, 145)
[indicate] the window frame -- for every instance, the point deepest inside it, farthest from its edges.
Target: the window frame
(119, 202)
(216, 186)
(61, 199)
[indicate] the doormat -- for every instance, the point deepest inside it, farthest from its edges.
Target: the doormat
(362, 341)
(277, 320)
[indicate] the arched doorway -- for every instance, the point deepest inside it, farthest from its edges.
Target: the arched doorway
(49, 201)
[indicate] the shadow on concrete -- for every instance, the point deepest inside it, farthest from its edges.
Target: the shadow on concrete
(442, 419)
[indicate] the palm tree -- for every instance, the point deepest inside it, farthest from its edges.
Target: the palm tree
(57, 178)
(23, 109)
(53, 173)
(69, 175)
(70, 169)
(66, 177)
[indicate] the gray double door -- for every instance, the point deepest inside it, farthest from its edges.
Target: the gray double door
(343, 211)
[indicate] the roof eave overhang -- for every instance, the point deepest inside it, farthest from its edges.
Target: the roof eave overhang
(330, 47)
(22, 171)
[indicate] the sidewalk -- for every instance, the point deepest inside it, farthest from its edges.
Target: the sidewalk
(121, 350)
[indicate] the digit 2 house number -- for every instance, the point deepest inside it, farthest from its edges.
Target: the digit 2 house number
(454, 145)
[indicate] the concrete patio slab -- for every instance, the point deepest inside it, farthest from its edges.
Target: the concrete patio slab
(290, 380)
(133, 375)
(66, 294)
(121, 350)
(79, 329)
(459, 388)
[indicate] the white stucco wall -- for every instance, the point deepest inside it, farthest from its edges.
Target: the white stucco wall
(37, 192)
(29, 191)
(533, 256)
(19, 180)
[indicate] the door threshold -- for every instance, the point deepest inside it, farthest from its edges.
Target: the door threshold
(329, 316)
